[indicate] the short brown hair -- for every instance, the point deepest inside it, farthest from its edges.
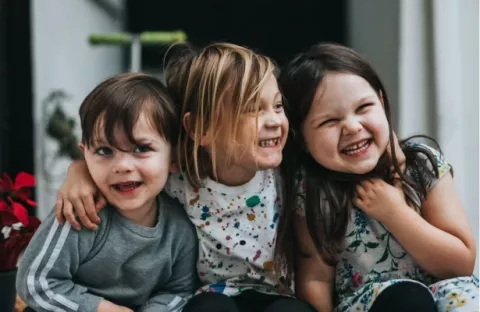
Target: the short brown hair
(120, 100)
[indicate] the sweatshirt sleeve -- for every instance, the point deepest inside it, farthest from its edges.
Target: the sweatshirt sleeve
(172, 296)
(46, 270)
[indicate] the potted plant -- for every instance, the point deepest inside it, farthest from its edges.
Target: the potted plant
(17, 227)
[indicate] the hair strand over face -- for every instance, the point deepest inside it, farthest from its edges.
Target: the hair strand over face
(215, 86)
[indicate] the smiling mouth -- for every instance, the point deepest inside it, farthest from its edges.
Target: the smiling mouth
(127, 186)
(269, 143)
(357, 147)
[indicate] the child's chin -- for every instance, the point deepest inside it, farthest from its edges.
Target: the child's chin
(364, 168)
(126, 205)
(270, 163)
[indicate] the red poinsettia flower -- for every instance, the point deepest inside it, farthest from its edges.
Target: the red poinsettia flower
(20, 189)
(13, 196)
(16, 225)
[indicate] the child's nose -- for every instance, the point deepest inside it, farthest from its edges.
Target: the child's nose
(272, 120)
(351, 126)
(124, 164)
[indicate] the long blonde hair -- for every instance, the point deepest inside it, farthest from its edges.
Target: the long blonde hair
(215, 86)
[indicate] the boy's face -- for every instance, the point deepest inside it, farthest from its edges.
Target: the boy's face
(132, 178)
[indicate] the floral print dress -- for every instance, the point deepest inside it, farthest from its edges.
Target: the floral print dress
(373, 260)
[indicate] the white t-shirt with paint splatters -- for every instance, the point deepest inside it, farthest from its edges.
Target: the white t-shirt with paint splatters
(236, 228)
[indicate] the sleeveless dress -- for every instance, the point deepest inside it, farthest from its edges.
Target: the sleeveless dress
(373, 260)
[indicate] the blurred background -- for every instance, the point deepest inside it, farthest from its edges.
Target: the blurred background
(426, 51)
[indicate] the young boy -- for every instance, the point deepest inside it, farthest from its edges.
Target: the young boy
(142, 257)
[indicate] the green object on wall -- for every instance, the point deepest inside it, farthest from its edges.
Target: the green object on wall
(145, 38)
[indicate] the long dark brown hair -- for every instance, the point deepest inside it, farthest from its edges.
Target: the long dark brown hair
(328, 194)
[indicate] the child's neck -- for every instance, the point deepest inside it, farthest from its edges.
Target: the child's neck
(233, 176)
(145, 216)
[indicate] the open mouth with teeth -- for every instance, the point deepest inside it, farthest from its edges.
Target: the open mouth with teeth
(269, 143)
(357, 148)
(127, 187)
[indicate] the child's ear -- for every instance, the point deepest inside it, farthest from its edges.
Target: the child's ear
(173, 167)
(205, 138)
(82, 147)
(380, 96)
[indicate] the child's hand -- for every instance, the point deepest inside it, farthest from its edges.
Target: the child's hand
(401, 159)
(77, 195)
(107, 306)
(378, 199)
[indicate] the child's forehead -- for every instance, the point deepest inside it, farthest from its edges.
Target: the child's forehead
(338, 88)
(143, 121)
(144, 125)
(270, 90)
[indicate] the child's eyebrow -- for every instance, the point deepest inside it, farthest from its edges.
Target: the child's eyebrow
(277, 95)
(143, 140)
(366, 98)
(320, 117)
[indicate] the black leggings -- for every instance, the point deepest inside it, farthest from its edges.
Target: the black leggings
(404, 296)
(248, 301)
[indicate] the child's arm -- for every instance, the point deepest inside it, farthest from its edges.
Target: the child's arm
(107, 306)
(441, 242)
(183, 282)
(45, 273)
(77, 197)
(314, 279)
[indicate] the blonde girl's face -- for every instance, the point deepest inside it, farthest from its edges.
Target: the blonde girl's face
(259, 141)
(346, 129)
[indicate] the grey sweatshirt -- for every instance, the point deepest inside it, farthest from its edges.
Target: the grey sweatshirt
(143, 268)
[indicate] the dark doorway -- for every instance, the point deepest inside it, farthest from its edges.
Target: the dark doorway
(279, 29)
(16, 104)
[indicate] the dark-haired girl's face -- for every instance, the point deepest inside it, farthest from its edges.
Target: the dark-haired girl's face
(346, 129)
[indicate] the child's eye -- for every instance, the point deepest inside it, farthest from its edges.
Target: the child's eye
(142, 149)
(103, 151)
(328, 122)
(364, 106)
(278, 107)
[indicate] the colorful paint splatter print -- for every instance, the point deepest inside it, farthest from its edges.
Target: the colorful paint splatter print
(236, 228)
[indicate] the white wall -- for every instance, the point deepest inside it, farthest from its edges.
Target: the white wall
(469, 56)
(63, 59)
(373, 31)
